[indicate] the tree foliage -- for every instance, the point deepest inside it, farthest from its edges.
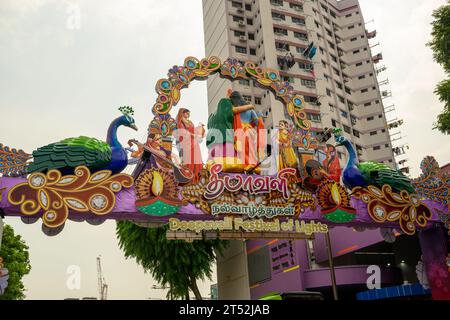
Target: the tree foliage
(16, 259)
(440, 44)
(173, 263)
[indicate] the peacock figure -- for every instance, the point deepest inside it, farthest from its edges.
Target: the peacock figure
(368, 173)
(70, 153)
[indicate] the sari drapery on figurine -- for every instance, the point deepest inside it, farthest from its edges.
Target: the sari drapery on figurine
(188, 143)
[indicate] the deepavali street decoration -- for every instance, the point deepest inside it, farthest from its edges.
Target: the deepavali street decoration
(230, 185)
(245, 189)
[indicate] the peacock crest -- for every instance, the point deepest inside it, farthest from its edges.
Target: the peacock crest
(127, 110)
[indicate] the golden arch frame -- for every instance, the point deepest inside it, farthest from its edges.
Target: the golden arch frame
(179, 77)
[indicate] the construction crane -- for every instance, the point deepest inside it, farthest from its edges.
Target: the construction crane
(102, 286)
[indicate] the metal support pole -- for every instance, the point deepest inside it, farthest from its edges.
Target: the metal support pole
(332, 273)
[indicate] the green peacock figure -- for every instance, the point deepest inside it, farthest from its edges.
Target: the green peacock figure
(368, 173)
(70, 153)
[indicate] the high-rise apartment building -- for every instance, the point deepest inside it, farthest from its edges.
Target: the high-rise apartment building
(339, 83)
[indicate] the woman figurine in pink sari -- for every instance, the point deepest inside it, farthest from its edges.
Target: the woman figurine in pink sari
(189, 143)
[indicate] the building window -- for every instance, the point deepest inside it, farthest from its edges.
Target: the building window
(301, 36)
(239, 33)
(249, 22)
(353, 39)
(298, 21)
(277, 2)
(241, 50)
(356, 133)
(367, 104)
(280, 31)
(251, 36)
(314, 117)
(364, 90)
(373, 133)
(237, 19)
(248, 7)
(370, 118)
(344, 114)
(351, 27)
(328, 92)
(235, 4)
(258, 100)
(297, 7)
(306, 66)
(278, 16)
(347, 129)
(376, 148)
(253, 52)
(359, 64)
(247, 99)
(244, 82)
(333, 123)
(361, 77)
(356, 51)
(308, 83)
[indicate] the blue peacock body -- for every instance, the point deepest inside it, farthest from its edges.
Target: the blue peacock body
(368, 173)
(95, 154)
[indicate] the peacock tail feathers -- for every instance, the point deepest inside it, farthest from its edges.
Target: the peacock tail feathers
(13, 162)
(70, 153)
(379, 174)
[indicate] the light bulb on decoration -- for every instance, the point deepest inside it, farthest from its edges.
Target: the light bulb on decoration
(335, 194)
(157, 184)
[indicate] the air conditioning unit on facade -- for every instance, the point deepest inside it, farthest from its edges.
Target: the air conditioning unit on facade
(241, 23)
(242, 38)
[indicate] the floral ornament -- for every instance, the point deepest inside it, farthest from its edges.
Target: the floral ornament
(13, 162)
(157, 193)
(384, 205)
(334, 202)
(162, 124)
(56, 194)
(432, 184)
(303, 139)
(233, 68)
(168, 90)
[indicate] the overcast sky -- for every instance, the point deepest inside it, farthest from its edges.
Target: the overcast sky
(60, 78)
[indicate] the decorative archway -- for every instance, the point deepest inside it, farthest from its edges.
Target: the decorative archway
(180, 77)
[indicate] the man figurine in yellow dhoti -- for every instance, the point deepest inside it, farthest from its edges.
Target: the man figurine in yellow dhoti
(286, 154)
